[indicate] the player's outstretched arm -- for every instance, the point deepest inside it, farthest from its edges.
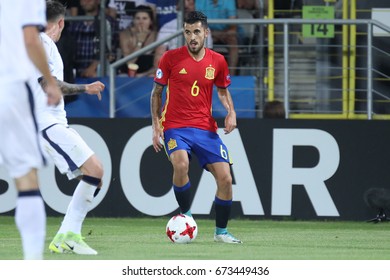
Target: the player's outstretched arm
(227, 102)
(94, 88)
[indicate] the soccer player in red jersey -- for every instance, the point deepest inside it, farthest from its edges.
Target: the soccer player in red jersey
(186, 125)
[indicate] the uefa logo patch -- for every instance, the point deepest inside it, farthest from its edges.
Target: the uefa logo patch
(159, 73)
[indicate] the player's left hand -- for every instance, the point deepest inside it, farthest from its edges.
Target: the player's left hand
(95, 88)
(230, 122)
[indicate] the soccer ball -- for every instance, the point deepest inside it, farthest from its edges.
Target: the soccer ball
(182, 229)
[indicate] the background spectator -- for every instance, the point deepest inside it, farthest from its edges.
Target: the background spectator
(72, 7)
(250, 5)
(274, 110)
(141, 33)
(171, 27)
(222, 33)
(87, 36)
(67, 45)
(123, 11)
(165, 11)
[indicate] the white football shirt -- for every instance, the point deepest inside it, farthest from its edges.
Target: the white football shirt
(19, 147)
(48, 115)
(14, 62)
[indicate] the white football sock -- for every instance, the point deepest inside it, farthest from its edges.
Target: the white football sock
(30, 218)
(78, 208)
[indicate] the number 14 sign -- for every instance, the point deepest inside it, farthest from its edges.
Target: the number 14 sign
(318, 30)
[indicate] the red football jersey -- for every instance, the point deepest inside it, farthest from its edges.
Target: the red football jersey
(190, 87)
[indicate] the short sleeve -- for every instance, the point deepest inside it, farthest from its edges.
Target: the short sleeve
(35, 15)
(163, 70)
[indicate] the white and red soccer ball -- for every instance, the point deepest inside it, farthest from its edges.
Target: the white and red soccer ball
(182, 229)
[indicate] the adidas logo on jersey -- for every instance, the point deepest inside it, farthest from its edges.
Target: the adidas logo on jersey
(183, 71)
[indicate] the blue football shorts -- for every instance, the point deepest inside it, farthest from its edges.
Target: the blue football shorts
(206, 145)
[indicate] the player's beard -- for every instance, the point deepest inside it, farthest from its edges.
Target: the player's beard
(195, 49)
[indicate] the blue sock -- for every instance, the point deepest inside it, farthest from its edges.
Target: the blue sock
(183, 197)
(188, 213)
(220, 230)
(222, 212)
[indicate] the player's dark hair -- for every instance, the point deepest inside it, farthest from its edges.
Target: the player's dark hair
(196, 16)
(54, 10)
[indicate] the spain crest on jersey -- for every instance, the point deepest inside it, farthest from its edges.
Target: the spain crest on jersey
(210, 71)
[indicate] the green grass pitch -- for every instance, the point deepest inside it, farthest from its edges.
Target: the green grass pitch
(145, 239)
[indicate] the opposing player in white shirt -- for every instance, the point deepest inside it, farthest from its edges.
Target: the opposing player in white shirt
(68, 150)
(19, 148)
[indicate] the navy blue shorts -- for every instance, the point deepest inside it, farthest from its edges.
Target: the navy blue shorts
(206, 145)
